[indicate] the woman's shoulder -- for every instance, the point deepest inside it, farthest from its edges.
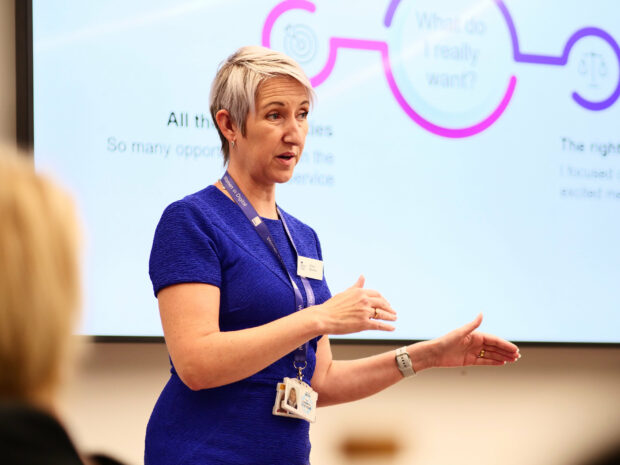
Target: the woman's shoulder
(302, 232)
(205, 207)
(200, 202)
(30, 435)
(294, 223)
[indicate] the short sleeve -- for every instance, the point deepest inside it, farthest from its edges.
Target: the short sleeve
(183, 249)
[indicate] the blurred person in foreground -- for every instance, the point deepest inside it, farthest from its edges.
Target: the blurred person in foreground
(244, 305)
(608, 455)
(39, 301)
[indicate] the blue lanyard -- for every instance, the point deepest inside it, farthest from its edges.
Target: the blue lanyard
(263, 231)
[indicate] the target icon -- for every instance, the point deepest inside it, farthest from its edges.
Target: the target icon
(300, 42)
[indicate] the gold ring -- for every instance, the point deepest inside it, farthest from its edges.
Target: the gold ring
(481, 354)
(376, 313)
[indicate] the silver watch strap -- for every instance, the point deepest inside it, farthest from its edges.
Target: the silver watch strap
(403, 361)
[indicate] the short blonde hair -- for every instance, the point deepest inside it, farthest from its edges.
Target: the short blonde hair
(239, 78)
(39, 279)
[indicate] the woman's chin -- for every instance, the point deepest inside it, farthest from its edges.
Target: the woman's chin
(283, 176)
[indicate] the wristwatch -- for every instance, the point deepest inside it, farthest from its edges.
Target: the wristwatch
(404, 362)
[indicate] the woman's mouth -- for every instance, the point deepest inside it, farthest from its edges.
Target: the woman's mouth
(286, 156)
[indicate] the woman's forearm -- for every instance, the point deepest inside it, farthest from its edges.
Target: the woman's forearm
(223, 357)
(344, 381)
(349, 380)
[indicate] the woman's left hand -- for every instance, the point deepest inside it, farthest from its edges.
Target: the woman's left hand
(466, 346)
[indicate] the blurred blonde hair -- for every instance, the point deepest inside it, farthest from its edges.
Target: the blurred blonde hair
(39, 279)
(238, 80)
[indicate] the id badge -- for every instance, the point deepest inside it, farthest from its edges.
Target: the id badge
(295, 399)
(309, 268)
(278, 409)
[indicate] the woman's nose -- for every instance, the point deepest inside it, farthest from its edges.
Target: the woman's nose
(294, 132)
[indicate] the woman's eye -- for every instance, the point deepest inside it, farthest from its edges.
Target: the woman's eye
(273, 116)
(303, 115)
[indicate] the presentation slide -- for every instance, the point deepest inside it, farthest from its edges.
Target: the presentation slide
(463, 155)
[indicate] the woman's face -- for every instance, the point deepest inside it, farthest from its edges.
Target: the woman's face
(275, 131)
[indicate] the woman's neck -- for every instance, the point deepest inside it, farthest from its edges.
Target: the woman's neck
(261, 196)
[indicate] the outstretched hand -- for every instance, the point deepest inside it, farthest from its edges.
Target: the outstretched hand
(466, 346)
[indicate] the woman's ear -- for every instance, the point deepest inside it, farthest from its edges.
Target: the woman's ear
(227, 126)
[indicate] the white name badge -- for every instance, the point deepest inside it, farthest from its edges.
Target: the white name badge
(295, 399)
(309, 268)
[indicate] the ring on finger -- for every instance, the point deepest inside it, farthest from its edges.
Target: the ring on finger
(376, 313)
(481, 354)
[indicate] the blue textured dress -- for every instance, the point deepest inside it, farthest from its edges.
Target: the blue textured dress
(206, 238)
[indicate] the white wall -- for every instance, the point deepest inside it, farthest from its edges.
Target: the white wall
(552, 407)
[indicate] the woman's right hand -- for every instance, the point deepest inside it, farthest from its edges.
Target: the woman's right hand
(356, 309)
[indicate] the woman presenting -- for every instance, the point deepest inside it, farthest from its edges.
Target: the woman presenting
(245, 308)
